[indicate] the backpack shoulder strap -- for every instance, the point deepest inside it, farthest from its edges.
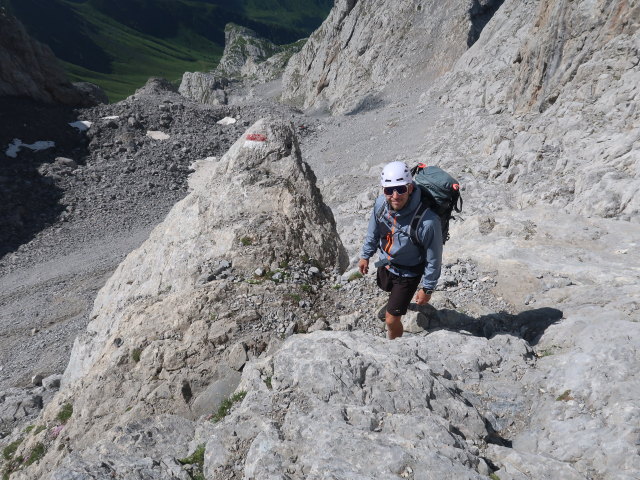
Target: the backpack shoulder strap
(416, 220)
(379, 210)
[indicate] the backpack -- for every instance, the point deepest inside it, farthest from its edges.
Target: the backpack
(440, 192)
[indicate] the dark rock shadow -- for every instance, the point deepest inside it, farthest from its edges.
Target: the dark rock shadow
(366, 104)
(480, 13)
(528, 325)
(30, 201)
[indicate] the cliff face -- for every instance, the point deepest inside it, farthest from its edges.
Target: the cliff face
(362, 46)
(29, 69)
(565, 40)
(552, 111)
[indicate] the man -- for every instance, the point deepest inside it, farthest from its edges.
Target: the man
(402, 265)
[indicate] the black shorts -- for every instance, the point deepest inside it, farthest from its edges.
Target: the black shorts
(402, 290)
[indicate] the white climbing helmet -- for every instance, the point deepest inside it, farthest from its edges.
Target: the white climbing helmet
(394, 174)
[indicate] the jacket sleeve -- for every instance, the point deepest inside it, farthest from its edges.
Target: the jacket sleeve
(373, 235)
(432, 242)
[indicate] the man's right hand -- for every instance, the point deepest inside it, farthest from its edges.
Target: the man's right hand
(363, 266)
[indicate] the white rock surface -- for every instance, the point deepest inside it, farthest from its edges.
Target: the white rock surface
(362, 46)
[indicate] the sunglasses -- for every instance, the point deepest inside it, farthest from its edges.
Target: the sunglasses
(401, 189)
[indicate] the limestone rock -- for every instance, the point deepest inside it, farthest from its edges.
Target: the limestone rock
(552, 93)
(563, 39)
(206, 88)
(52, 382)
(237, 356)
(243, 49)
(363, 46)
(265, 198)
(138, 449)
(529, 365)
(155, 86)
(247, 58)
(258, 205)
(350, 396)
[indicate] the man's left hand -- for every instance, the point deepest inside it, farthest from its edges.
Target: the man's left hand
(422, 298)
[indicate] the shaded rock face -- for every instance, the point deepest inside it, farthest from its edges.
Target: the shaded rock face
(362, 46)
(30, 69)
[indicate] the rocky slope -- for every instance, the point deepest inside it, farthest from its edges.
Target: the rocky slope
(70, 213)
(266, 215)
(556, 101)
(524, 367)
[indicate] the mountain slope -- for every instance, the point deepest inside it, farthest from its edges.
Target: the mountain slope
(119, 44)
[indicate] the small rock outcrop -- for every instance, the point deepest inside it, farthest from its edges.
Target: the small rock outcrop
(203, 87)
(30, 69)
(362, 46)
(243, 48)
(247, 58)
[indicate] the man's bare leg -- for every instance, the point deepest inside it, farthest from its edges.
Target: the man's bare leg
(394, 326)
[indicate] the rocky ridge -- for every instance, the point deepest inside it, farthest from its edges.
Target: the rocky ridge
(104, 188)
(261, 222)
(247, 59)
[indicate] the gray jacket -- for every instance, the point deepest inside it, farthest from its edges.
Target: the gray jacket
(389, 233)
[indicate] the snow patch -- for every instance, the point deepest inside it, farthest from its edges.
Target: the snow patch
(157, 135)
(14, 147)
(111, 117)
(227, 121)
(81, 125)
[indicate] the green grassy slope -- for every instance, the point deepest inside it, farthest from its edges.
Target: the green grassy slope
(119, 44)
